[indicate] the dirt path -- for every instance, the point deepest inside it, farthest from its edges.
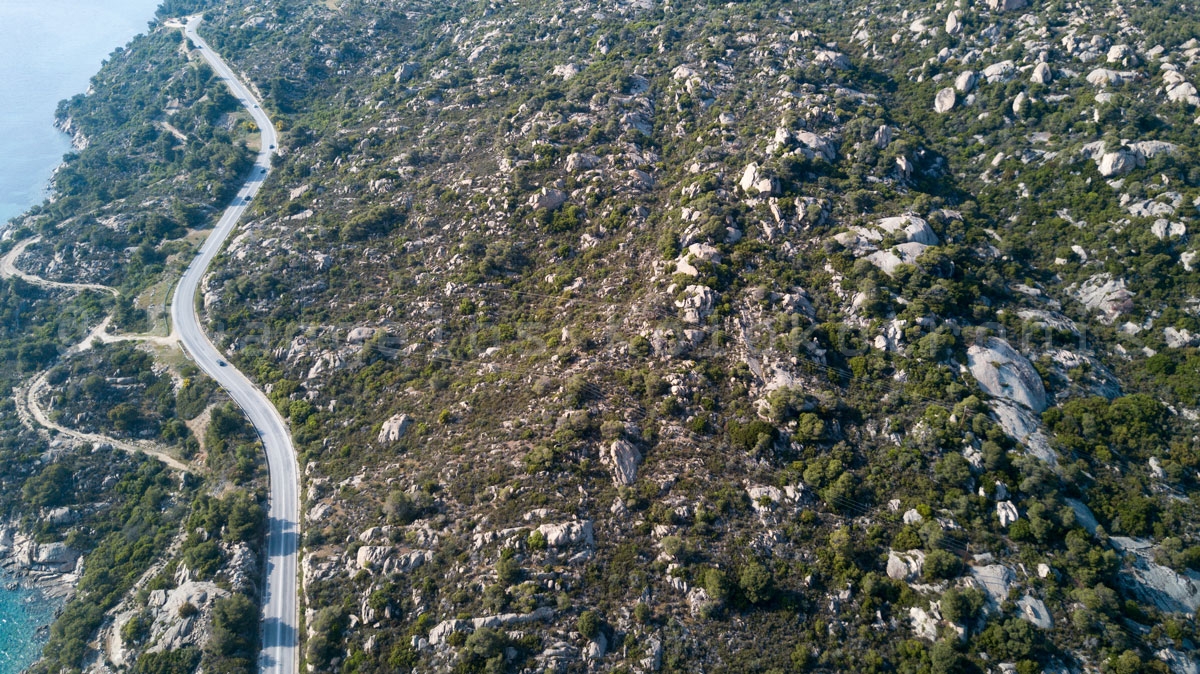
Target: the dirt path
(8, 269)
(32, 413)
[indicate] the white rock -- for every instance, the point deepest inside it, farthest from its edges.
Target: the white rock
(1105, 294)
(1007, 512)
(697, 303)
(567, 71)
(954, 22)
(1006, 5)
(966, 81)
(906, 566)
(371, 556)
(1004, 373)
(831, 59)
(753, 182)
(578, 532)
(883, 136)
(403, 74)
(1034, 610)
(1117, 163)
(1103, 77)
(581, 162)
(995, 581)
(548, 199)
(1041, 74)
(924, 626)
(911, 516)
(1020, 103)
(393, 429)
(622, 458)
(944, 101)
(1000, 72)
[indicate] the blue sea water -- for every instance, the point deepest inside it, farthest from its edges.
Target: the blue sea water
(49, 49)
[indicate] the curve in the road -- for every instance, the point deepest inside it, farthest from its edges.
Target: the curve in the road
(280, 605)
(8, 269)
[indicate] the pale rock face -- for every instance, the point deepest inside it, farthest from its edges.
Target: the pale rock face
(924, 626)
(697, 303)
(966, 81)
(1007, 512)
(579, 532)
(567, 71)
(1007, 5)
(404, 73)
(1000, 72)
(906, 566)
(371, 556)
(994, 580)
(1177, 339)
(889, 260)
(622, 458)
(581, 162)
(831, 59)
(1041, 74)
(1117, 163)
(1105, 294)
(548, 199)
(954, 22)
(915, 229)
(1020, 103)
(911, 516)
(1103, 77)
(883, 136)
(393, 429)
(817, 145)
(1004, 373)
(1034, 610)
(753, 182)
(944, 101)
(697, 599)
(1162, 587)
(696, 251)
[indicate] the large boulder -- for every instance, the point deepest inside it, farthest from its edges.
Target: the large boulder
(1007, 5)
(1000, 72)
(1034, 611)
(954, 22)
(393, 429)
(1041, 74)
(753, 181)
(906, 566)
(622, 458)
(548, 199)
(944, 101)
(1105, 294)
(1117, 163)
(1004, 373)
(567, 534)
(966, 81)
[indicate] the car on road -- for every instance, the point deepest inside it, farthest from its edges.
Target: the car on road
(221, 363)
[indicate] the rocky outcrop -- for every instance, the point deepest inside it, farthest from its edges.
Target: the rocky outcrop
(1004, 373)
(568, 534)
(1105, 294)
(906, 566)
(1007, 5)
(394, 428)
(622, 458)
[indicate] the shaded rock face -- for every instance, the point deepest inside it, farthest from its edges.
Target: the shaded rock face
(1004, 373)
(622, 458)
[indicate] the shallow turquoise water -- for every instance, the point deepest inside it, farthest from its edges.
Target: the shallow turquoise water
(49, 49)
(21, 612)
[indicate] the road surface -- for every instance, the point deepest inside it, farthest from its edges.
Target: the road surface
(280, 609)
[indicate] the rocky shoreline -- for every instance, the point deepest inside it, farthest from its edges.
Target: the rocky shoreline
(50, 569)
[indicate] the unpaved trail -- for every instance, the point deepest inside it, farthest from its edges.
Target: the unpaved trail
(8, 269)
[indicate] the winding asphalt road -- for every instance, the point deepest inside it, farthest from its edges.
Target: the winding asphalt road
(280, 608)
